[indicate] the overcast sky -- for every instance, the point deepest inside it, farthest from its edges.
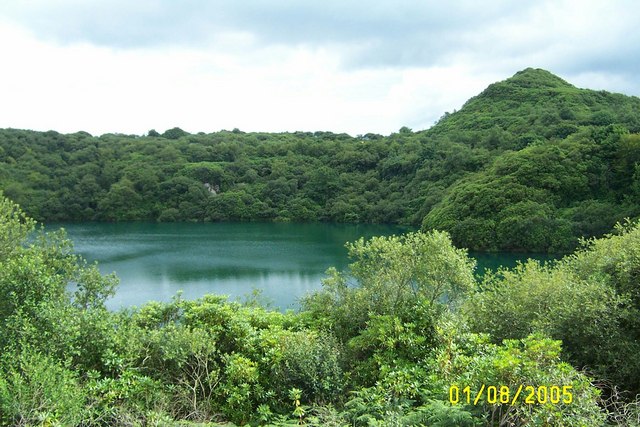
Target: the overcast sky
(128, 66)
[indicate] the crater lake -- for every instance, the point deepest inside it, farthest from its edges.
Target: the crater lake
(283, 261)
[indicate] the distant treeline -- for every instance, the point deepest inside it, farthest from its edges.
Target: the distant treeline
(530, 164)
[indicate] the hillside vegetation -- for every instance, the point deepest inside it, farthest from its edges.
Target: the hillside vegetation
(531, 164)
(394, 340)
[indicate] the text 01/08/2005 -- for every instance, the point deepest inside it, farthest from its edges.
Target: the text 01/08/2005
(502, 394)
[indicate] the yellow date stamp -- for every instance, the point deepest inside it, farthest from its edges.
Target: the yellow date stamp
(506, 395)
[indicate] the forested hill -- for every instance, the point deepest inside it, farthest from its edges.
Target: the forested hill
(532, 163)
(562, 163)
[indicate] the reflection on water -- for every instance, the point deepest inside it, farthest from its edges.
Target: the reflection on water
(495, 260)
(155, 261)
(285, 261)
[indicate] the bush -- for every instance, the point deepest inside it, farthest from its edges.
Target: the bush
(306, 360)
(393, 276)
(589, 300)
(35, 389)
(469, 360)
(129, 399)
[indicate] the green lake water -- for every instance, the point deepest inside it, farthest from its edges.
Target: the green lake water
(284, 260)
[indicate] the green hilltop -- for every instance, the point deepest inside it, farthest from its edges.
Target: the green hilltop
(532, 163)
(537, 102)
(563, 165)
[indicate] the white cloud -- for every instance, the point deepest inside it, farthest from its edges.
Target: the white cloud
(204, 66)
(99, 90)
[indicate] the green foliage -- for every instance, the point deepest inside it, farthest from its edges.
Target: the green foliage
(37, 308)
(615, 263)
(469, 360)
(15, 226)
(173, 133)
(38, 390)
(295, 395)
(241, 389)
(92, 288)
(530, 200)
(589, 300)
(438, 414)
(381, 345)
(385, 320)
(128, 399)
(122, 201)
(406, 278)
(421, 266)
(303, 360)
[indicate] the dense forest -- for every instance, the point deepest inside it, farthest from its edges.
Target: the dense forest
(530, 164)
(406, 336)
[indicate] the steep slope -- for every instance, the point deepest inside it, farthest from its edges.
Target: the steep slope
(535, 103)
(564, 165)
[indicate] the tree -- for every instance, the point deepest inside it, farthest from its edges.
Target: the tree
(35, 272)
(174, 133)
(15, 226)
(467, 361)
(589, 300)
(122, 202)
(385, 306)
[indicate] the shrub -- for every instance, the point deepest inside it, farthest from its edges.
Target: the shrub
(35, 389)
